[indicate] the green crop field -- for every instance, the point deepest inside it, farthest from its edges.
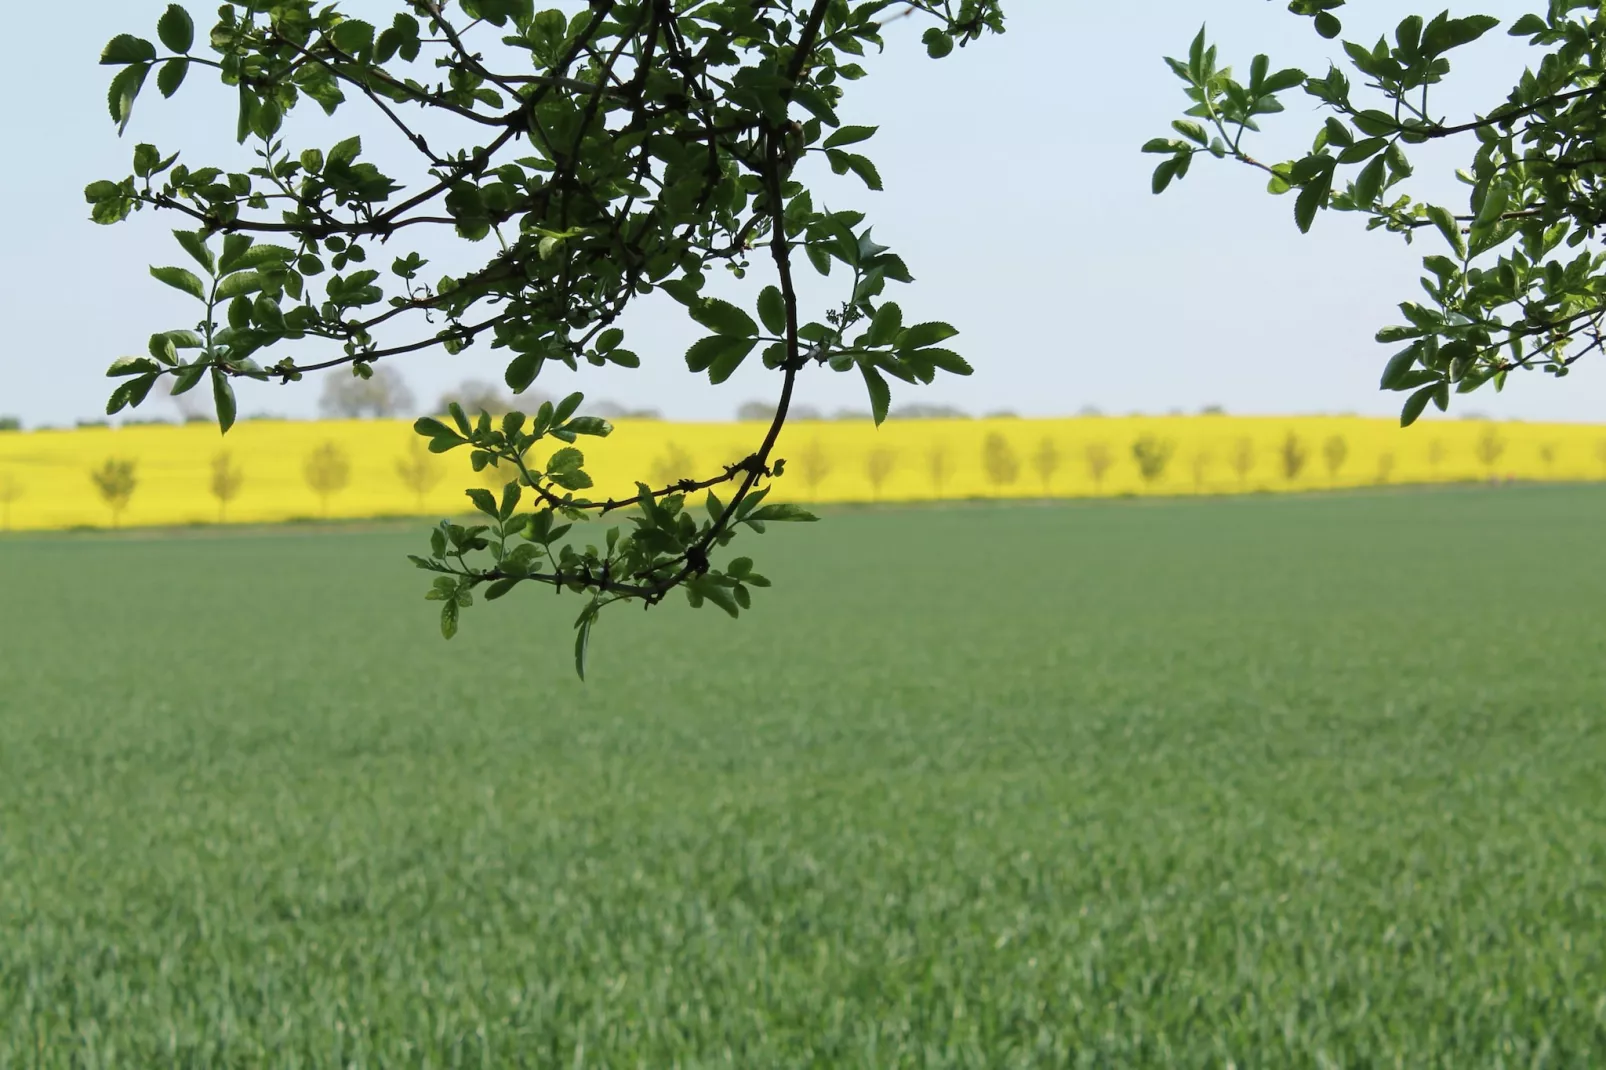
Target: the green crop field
(1269, 782)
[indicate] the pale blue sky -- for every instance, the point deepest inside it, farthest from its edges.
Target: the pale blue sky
(1015, 190)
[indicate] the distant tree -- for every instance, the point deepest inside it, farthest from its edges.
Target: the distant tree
(478, 395)
(10, 423)
(851, 414)
(10, 491)
(921, 411)
(1046, 462)
(116, 482)
(756, 411)
(1152, 454)
(1335, 451)
(381, 394)
(1292, 454)
(672, 465)
(938, 461)
(327, 471)
(1202, 460)
(1088, 412)
(1547, 457)
(1385, 466)
(1489, 447)
(1242, 459)
(998, 461)
(1099, 460)
(813, 463)
(225, 482)
(878, 465)
(1436, 454)
(612, 410)
(1002, 414)
(418, 470)
(1213, 410)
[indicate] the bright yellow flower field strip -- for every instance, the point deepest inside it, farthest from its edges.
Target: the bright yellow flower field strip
(45, 482)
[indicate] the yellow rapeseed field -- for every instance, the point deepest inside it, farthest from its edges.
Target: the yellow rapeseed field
(283, 470)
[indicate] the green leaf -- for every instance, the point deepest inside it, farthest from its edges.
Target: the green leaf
(772, 310)
(1328, 26)
(946, 359)
(131, 366)
(922, 335)
(566, 408)
(1445, 220)
(223, 396)
(567, 459)
(724, 318)
(1528, 25)
(571, 480)
(938, 44)
(346, 151)
(171, 76)
(1191, 130)
(522, 370)
(1369, 183)
(239, 284)
(705, 352)
(887, 323)
(449, 614)
(483, 500)
(849, 135)
(781, 512)
(1311, 198)
(180, 279)
(726, 363)
(194, 243)
(582, 641)
(124, 90)
(176, 28)
(1164, 172)
(880, 393)
(589, 425)
(432, 428)
(865, 169)
(1415, 404)
(126, 48)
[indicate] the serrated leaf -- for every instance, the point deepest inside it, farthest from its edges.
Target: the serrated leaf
(194, 244)
(238, 285)
(772, 310)
(124, 91)
(171, 76)
(126, 48)
(782, 512)
(180, 279)
(483, 500)
(176, 29)
(880, 393)
(921, 335)
(723, 318)
(849, 135)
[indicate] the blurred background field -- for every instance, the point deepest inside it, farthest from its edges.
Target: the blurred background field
(283, 470)
(1299, 781)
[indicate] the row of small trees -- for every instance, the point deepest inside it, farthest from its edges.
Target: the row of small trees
(327, 468)
(1004, 467)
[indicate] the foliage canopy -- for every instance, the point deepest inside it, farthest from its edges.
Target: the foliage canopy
(628, 147)
(1519, 281)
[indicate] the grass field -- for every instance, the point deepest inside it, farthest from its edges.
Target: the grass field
(1265, 782)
